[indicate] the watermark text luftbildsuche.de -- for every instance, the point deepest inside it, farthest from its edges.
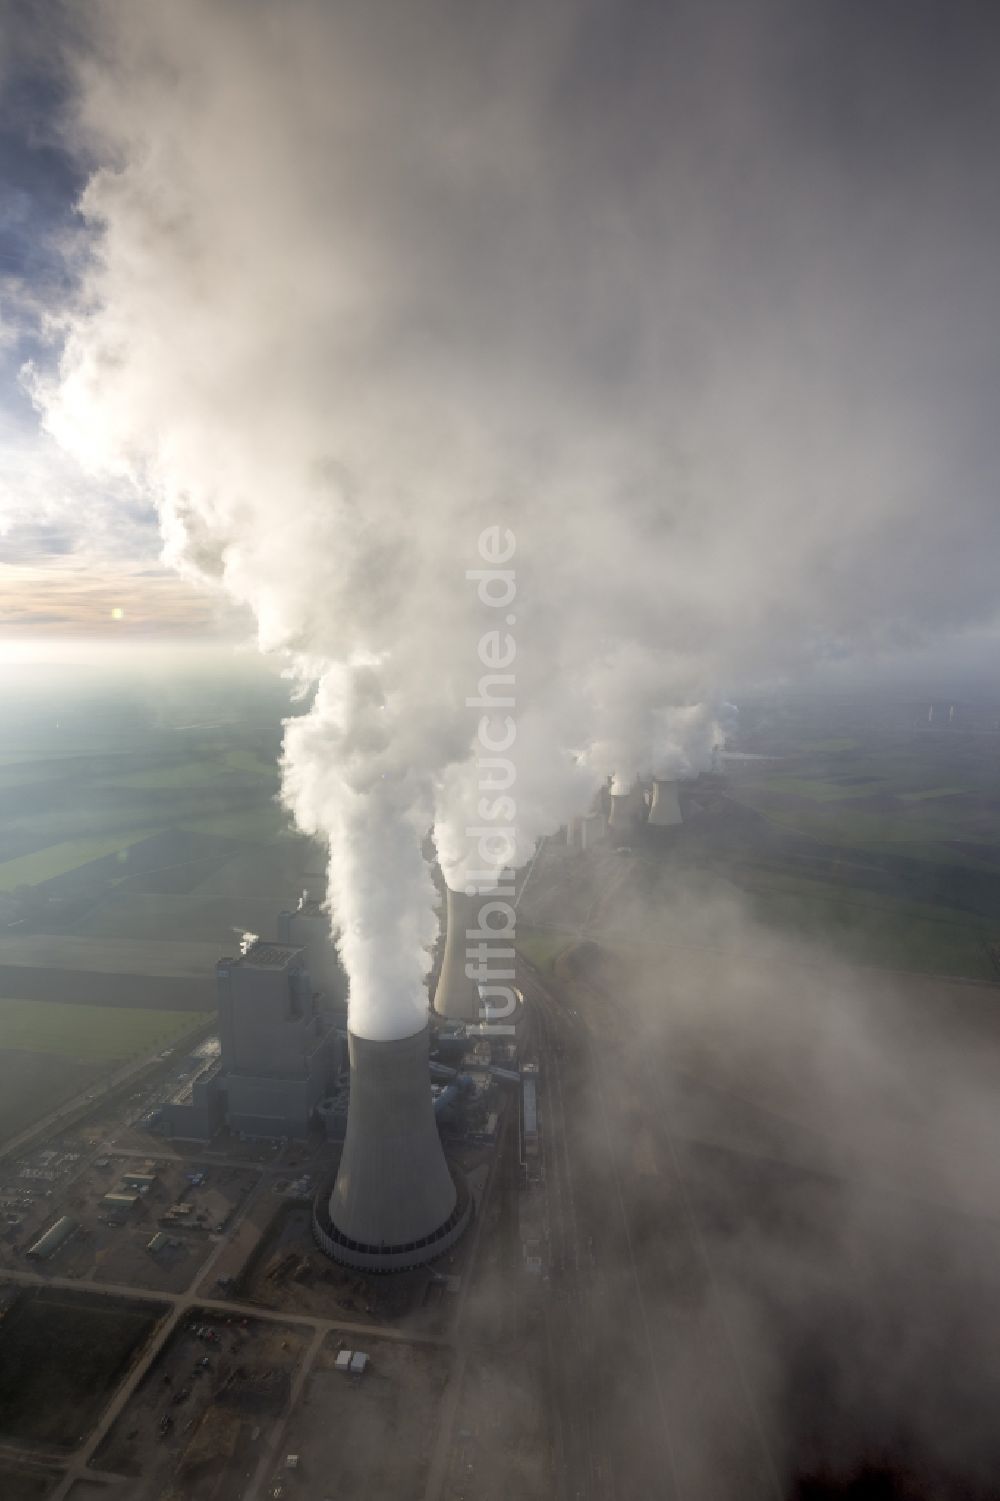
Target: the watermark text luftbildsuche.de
(489, 945)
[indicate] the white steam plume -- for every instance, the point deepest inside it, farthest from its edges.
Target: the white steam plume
(368, 279)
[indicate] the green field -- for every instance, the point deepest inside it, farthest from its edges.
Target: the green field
(91, 1034)
(178, 775)
(201, 771)
(884, 848)
(918, 823)
(818, 790)
(866, 928)
(886, 795)
(70, 854)
(542, 949)
(260, 825)
(252, 763)
(932, 792)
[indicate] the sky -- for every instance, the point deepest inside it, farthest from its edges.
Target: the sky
(79, 555)
(803, 196)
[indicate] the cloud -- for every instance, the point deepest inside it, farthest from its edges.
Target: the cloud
(638, 287)
(33, 617)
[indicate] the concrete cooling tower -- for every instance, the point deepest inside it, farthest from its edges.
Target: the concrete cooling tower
(624, 812)
(457, 997)
(665, 809)
(395, 1203)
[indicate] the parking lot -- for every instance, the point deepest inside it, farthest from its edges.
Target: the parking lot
(144, 1222)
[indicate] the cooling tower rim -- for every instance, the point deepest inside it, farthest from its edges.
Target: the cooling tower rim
(462, 889)
(387, 1042)
(391, 1258)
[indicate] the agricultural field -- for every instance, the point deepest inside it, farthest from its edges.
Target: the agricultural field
(92, 1034)
(541, 948)
(32, 1083)
(881, 847)
(127, 790)
(58, 859)
(91, 774)
(60, 1356)
(19, 1483)
(54, 1051)
(135, 808)
(884, 845)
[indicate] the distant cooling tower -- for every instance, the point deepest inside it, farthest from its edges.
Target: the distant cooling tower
(456, 996)
(624, 811)
(395, 1203)
(665, 809)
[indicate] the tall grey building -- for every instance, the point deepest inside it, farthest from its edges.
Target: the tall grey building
(307, 927)
(277, 1041)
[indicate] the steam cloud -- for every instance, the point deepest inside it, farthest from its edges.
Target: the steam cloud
(368, 279)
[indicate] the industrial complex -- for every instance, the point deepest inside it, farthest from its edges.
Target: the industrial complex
(278, 1211)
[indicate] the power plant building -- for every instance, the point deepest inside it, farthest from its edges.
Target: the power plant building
(308, 927)
(277, 1045)
(278, 1050)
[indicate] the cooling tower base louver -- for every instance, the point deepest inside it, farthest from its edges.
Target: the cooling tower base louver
(363, 1257)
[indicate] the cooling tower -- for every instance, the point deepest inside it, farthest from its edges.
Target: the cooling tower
(395, 1203)
(456, 996)
(624, 808)
(665, 810)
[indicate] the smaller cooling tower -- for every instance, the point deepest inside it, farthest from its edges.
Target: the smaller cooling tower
(592, 830)
(624, 809)
(457, 997)
(665, 809)
(395, 1203)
